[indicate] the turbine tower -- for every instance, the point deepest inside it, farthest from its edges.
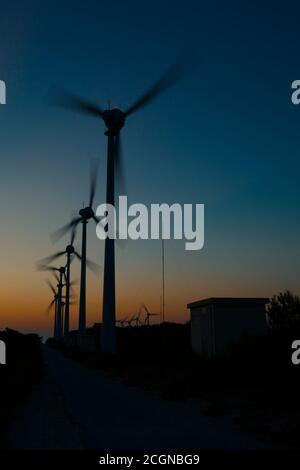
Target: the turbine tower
(114, 120)
(54, 302)
(59, 311)
(69, 252)
(85, 214)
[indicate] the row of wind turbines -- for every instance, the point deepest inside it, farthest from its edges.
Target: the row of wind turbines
(114, 120)
(136, 318)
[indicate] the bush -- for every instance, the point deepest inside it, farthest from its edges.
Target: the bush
(24, 368)
(284, 311)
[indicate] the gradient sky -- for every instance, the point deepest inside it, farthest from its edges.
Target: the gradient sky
(227, 136)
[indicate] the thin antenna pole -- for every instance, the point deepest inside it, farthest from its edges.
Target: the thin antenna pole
(160, 307)
(163, 277)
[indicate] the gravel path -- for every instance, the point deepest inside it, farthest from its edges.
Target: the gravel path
(79, 408)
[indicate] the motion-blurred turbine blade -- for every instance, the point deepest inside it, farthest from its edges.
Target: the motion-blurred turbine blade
(49, 283)
(93, 181)
(73, 102)
(65, 228)
(93, 266)
(56, 276)
(174, 73)
(50, 306)
(51, 258)
(44, 267)
(73, 235)
(90, 264)
(77, 255)
(101, 224)
(146, 310)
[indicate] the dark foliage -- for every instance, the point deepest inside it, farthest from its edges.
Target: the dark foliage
(284, 311)
(23, 369)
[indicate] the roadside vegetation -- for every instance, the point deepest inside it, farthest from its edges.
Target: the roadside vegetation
(23, 369)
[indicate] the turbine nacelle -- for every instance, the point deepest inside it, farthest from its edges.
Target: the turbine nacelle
(114, 120)
(62, 270)
(70, 249)
(86, 213)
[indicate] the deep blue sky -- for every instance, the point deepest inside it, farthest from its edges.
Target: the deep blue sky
(226, 136)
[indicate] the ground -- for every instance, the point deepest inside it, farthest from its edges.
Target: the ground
(75, 407)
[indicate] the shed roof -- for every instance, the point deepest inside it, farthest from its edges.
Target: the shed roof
(228, 300)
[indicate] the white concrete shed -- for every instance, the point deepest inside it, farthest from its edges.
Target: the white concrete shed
(217, 321)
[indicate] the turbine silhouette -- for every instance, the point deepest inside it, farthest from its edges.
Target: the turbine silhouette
(114, 120)
(122, 321)
(59, 309)
(136, 318)
(148, 315)
(85, 215)
(70, 252)
(130, 320)
(54, 302)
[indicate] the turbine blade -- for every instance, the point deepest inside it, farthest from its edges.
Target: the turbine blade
(93, 266)
(65, 228)
(50, 306)
(90, 264)
(93, 180)
(51, 258)
(44, 267)
(174, 73)
(101, 225)
(70, 101)
(73, 235)
(49, 283)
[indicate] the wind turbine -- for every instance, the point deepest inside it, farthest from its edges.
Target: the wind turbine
(137, 318)
(60, 285)
(148, 315)
(70, 252)
(114, 120)
(85, 214)
(54, 302)
(122, 321)
(129, 322)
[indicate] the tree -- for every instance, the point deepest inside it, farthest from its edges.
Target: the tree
(284, 311)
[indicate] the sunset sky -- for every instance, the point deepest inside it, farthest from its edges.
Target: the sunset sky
(226, 136)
